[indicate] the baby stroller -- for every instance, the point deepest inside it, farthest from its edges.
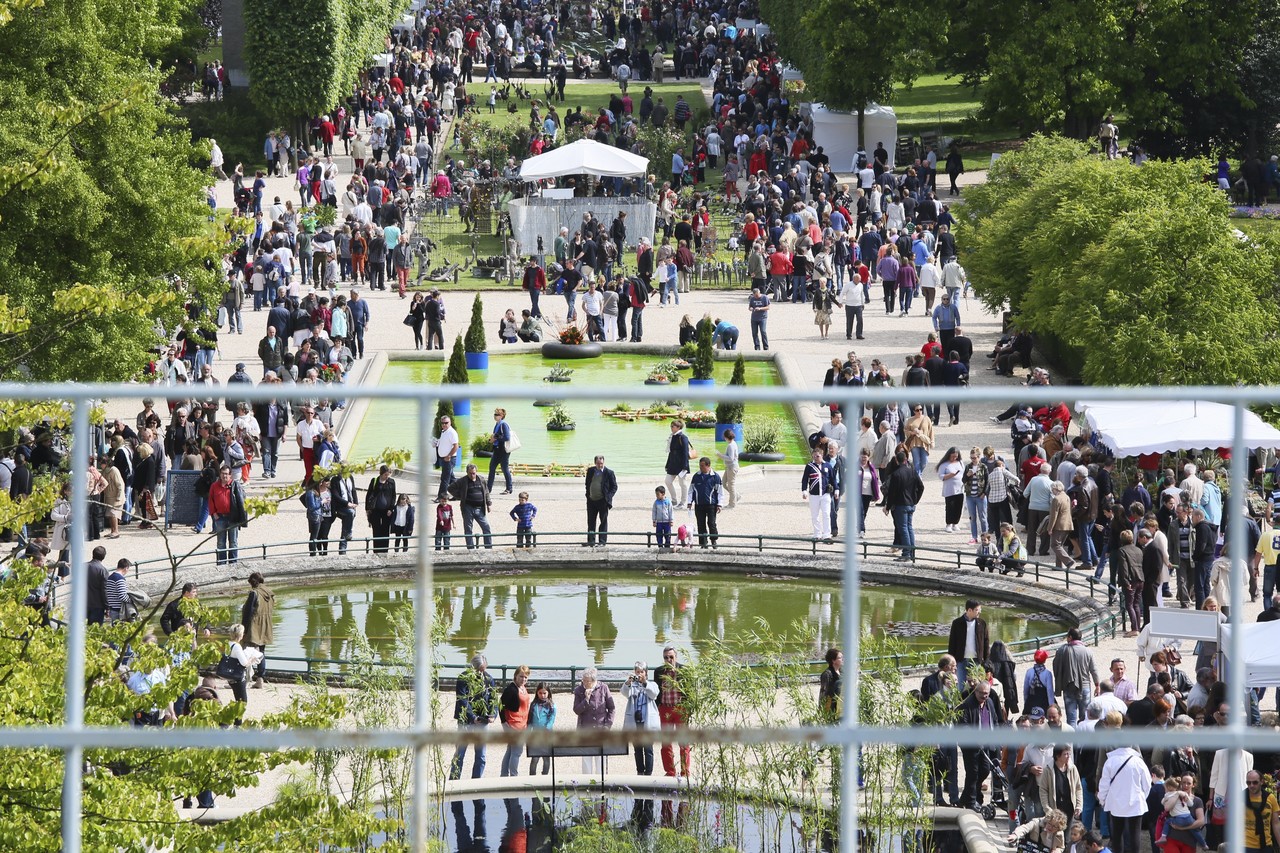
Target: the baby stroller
(999, 782)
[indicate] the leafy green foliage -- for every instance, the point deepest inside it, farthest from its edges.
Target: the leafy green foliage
(761, 435)
(703, 363)
(475, 331)
(558, 416)
(307, 65)
(852, 52)
(103, 209)
(455, 373)
(1136, 273)
(731, 413)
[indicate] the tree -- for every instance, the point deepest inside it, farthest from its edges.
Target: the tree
(704, 360)
(105, 232)
(455, 372)
(731, 413)
(310, 65)
(853, 52)
(1134, 273)
(475, 331)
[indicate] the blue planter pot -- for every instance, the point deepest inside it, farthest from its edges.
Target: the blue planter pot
(737, 432)
(694, 383)
(462, 408)
(477, 361)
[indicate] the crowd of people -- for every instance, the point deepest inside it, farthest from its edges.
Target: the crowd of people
(1065, 799)
(650, 701)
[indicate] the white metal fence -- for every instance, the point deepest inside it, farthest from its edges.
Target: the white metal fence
(73, 737)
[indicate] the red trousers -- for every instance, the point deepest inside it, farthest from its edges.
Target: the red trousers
(673, 718)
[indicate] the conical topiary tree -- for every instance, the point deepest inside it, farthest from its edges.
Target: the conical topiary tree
(456, 371)
(731, 413)
(475, 331)
(703, 360)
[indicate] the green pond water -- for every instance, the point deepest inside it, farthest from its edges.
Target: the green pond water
(631, 447)
(564, 619)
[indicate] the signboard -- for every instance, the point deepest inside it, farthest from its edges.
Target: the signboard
(1184, 624)
(181, 504)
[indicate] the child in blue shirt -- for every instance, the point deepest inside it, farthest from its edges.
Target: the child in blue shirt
(663, 515)
(523, 514)
(542, 715)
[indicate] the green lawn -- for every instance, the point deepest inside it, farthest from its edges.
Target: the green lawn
(940, 104)
(591, 96)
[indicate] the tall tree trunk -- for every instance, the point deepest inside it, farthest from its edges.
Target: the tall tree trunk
(862, 126)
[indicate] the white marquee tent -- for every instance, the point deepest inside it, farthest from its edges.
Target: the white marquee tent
(1261, 652)
(837, 133)
(1132, 429)
(584, 157)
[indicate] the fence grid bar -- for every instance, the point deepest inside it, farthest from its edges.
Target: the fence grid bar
(424, 618)
(73, 709)
(851, 629)
(73, 738)
(1236, 668)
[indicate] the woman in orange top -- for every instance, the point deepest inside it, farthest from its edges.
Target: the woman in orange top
(514, 713)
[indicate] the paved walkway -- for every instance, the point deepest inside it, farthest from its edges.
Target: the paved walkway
(770, 497)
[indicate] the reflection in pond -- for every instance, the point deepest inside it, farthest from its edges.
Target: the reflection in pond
(572, 619)
(579, 820)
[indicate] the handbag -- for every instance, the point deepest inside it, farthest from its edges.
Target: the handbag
(230, 669)
(222, 316)
(408, 319)
(512, 443)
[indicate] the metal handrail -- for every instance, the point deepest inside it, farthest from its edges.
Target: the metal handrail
(1084, 583)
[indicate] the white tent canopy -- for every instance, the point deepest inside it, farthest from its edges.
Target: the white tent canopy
(586, 156)
(837, 133)
(1132, 429)
(1261, 652)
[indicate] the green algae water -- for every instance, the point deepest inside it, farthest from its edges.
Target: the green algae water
(560, 619)
(631, 447)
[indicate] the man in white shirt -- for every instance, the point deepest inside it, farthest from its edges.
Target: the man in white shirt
(1192, 485)
(853, 297)
(446, 454)
(593, 307)
(309, 431)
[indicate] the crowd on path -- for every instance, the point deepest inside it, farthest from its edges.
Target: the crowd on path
(650, 702)
(1173, 796)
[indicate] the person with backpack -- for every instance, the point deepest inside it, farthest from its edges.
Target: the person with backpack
(1037, 683)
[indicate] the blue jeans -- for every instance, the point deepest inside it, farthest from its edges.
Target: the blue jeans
(270, 448)
(977, 514)
(204, 515)
(500, 458)
(798, 292)
(1090, 804)
(1203, 567)
(1076, 703)
(460, 755)
(228, 540)
(919, 458)
(760, 330)
(904, 534)
(446, 477)
(729, 340)
(475, 514)
(671, 286)
(570, 313)
(1087, 553)
(511, 758)
(1268, 583)
(905, 295)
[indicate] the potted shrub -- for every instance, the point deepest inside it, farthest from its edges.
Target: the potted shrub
(699, 418)
(482, 446)
(729, 415)
(704, 361)
(570, 343)
(456, 374)
(559, 419)
(477, 352)
(761, 438)
(686, 353)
